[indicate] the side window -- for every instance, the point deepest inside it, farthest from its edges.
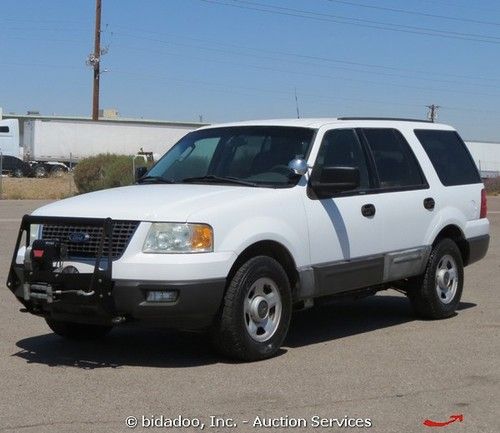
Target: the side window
(194, 160)
(341, 148)
(4, 129)
(449, 156)
(396, 164)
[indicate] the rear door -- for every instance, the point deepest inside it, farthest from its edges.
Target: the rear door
(407, 203)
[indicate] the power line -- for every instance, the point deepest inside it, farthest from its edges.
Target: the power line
(281, 53)
(315, 74)
(422, 14)
(241, 48)
(279, 10)
(313, 97)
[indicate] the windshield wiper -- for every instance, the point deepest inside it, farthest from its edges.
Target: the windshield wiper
(225, 179)
(154, 179)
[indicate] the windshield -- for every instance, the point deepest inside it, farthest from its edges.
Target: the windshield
(249, 155)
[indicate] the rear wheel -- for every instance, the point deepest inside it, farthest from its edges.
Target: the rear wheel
(256, 311)
(57, 171)
(40, 171)
(437, 293)
(78, 331)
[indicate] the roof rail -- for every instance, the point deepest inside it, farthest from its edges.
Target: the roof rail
(385, 118)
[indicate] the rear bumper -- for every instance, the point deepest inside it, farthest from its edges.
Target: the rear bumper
(478, 247)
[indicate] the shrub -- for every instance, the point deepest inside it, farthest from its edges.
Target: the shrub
(103, 171)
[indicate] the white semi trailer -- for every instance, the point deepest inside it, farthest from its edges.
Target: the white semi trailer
(53, 145)
(486, 155)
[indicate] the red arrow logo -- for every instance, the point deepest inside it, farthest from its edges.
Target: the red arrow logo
(453, 418)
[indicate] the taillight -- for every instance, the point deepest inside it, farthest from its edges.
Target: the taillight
(484, 204)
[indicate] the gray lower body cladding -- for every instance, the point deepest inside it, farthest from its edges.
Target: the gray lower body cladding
(343, 276)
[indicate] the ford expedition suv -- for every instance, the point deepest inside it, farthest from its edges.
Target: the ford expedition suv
(238, 224)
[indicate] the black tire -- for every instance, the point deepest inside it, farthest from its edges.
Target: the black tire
(423, 291)
(78, 331)
(18, 172)
(57, 171)
(230, 334)
(40, 171)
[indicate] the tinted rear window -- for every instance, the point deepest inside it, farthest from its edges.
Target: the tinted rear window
(449, 156)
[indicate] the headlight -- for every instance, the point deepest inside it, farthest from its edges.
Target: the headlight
(179, 238)
(35, 232)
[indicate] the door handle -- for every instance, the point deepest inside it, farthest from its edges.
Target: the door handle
(429, 203)
(368, 210)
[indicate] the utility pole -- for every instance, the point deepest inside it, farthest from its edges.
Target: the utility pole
(95, 60)
(433, 111)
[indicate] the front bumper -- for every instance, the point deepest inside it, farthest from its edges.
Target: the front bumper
(97, 295)
(196, 305)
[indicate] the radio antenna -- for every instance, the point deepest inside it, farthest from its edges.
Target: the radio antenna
(297, 104)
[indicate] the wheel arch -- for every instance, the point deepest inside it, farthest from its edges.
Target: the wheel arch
(453, 232)
(275, 250)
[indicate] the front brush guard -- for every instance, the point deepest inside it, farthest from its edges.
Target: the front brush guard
(41, 290)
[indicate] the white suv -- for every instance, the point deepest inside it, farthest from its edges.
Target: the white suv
(240, 223)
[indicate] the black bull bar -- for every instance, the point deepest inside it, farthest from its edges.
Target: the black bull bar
(42, 283)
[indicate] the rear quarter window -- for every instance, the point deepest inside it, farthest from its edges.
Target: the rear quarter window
(449, 156)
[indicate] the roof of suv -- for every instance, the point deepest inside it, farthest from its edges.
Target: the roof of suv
(319, 122)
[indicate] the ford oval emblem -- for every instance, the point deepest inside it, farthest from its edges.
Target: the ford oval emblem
(79, 237)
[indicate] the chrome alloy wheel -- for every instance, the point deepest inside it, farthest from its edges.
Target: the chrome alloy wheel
(262, 309)
(446, 279)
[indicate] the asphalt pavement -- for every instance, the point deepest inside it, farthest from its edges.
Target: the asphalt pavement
(369, 361)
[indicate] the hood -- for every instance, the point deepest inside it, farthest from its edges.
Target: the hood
(173, 202)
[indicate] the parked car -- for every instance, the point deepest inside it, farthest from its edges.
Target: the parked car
(239, 224)
(16, 167)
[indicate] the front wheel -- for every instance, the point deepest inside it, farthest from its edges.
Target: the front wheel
(256, 311)
(78, 331)
(437, 293)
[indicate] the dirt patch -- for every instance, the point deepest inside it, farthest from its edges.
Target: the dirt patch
(31, 188)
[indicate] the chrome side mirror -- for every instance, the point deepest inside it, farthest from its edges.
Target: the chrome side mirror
(298, 166)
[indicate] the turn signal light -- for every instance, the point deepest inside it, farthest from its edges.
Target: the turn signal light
(202, 238)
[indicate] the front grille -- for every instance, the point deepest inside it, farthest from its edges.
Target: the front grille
(88, 244)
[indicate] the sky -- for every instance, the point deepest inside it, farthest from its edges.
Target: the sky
(228, 60)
